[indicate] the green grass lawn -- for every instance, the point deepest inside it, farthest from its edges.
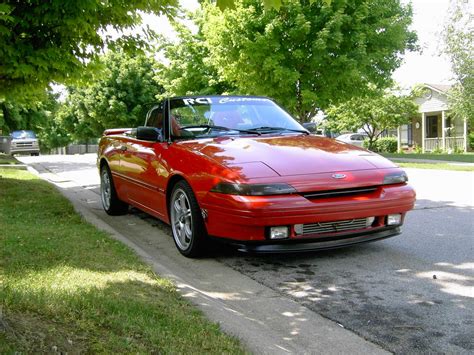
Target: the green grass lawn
(464, 158)
(67, 287)
(436, 166)
(8, 159)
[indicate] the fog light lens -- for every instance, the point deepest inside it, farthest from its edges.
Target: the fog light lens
(394, 219)
(279, 232)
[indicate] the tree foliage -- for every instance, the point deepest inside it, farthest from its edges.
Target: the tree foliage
(459, 45)
(372, 113)
(189, 70)
(20, 115)
(37, 114)
(118, 96)
(308, 55)
(53, 41)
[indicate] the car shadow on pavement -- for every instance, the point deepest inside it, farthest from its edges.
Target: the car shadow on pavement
(413, 292)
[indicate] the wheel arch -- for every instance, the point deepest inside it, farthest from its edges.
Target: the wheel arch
(169, 189)
(103, 162)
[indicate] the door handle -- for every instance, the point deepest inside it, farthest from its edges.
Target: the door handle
(123, 148)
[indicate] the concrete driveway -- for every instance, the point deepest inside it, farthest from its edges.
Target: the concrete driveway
(411, 293)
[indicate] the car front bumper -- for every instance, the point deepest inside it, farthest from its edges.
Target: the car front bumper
(24, 149)
(245, 221)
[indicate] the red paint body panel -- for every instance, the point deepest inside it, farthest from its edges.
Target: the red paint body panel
(142, 172)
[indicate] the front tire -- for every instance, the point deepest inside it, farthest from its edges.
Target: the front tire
(187, 225)
(110, 201)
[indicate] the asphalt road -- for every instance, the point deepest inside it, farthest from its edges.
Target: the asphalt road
(410, 294)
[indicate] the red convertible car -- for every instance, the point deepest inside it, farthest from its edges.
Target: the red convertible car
(240, 169)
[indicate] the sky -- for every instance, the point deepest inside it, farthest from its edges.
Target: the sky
(427, 66)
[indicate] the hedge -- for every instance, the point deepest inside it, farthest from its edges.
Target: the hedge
(383, 145)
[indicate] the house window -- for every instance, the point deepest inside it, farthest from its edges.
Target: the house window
(406, 134)
(410, 134)
(431, 126)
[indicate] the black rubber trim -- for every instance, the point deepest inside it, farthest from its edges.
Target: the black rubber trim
(339, 193)
(292, 245)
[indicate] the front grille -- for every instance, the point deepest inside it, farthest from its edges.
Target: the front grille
(340, 193)
(334, 227)
(24, 144)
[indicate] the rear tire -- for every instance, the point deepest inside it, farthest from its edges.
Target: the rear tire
(110, 201)
(187, 225)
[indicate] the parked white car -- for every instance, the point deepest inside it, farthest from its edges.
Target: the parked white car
(24, 142)
(356, 139)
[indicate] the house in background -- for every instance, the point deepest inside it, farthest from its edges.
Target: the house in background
(434, 128)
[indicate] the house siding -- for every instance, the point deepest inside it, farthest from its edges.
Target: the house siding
(436, 103)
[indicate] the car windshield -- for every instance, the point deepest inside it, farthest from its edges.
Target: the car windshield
(23, 135)
(200, 117)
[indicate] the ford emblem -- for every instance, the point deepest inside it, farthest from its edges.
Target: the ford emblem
(338, 176)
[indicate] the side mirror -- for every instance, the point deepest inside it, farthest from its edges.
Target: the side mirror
(310, 126)
(150, 134)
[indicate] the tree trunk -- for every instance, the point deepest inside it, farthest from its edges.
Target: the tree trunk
(5, 127)
(299, 102)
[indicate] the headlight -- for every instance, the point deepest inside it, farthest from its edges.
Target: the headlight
(395, 178)
(253, 189)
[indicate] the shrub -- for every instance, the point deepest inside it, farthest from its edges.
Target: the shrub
(387, 145)
(365, 144)
(471, 140)
(383, 145)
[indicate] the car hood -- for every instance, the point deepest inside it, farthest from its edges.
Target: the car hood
(287, 155)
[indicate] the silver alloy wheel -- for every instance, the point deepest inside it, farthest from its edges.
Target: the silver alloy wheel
(181, 219)
(105, 188)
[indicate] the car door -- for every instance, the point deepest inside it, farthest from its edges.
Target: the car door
(145, 171)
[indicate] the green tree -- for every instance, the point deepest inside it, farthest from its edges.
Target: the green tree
(374, 114)
(189, 70)
(459, 45)
(39, 115)
(118, 96)
(53, 41)
(308, 55)
(26, 115)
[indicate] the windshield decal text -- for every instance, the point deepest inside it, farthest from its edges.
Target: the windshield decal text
(199, 100)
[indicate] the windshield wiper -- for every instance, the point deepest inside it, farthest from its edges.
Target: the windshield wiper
(265, 129)
(221, 128)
